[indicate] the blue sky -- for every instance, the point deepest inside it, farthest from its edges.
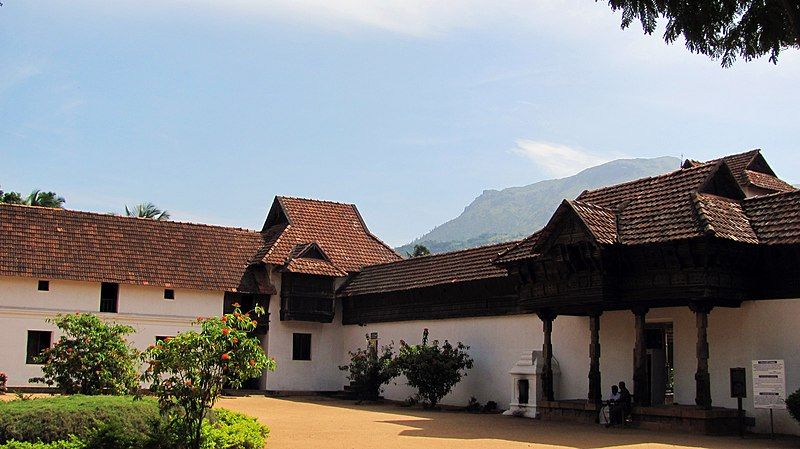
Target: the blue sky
(407, 108)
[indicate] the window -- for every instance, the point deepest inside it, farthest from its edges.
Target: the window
(109, 296)
(38, 341)
(44, 286)
(169, 293)
(301, 349)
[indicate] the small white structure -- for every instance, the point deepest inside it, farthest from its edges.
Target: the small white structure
(527, 389)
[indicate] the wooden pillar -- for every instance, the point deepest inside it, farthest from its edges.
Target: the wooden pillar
(595, 387)
(702, 377)
(547, 318)
(641, 384)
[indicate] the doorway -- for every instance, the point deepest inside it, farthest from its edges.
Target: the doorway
(660, 357)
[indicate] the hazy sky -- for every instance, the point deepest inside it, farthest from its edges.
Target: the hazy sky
(407, 108)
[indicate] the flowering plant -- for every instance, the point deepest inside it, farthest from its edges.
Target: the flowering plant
(188, 372)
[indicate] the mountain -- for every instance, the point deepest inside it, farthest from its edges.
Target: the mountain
(502, 215)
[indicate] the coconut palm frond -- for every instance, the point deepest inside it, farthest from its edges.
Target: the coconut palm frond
(147, 210)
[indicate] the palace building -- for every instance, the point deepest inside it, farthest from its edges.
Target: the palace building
(664, 282)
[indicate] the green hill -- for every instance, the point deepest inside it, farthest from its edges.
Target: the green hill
(501, 215)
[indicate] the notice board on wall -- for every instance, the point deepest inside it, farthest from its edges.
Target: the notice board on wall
(769, 384)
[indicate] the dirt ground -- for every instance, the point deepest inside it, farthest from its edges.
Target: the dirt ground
(316, 422)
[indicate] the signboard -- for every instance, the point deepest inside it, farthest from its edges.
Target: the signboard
(769, 384)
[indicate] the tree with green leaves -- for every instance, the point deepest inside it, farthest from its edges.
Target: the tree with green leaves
(45, 199)
(433, 369)
(91, 357)
(188, 372)
(147, 210)
(10, 197)
(720, 29)
(419, 251)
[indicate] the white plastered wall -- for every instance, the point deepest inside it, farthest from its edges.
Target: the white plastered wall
(23, 307)
(736, 336)
(321, 373)
(496, 343)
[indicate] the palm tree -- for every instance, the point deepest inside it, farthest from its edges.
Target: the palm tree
(45, 199)
(147, 210)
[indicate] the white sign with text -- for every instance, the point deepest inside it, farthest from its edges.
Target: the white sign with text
(769, 384)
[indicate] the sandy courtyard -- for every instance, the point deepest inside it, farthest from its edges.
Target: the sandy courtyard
(316, 423)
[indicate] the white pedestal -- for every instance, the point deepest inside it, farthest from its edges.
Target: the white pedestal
(528, 367)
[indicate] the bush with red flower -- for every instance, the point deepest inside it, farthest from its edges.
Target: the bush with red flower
(91, 357)
(3, 380)
(189, 371)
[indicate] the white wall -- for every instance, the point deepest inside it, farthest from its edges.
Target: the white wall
(736, 336)
(321, 373)
(24, 308)
(496, 343)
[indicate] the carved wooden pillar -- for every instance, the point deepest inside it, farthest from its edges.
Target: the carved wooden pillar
(702, 377)
(595, 387)
(641, 384)
(547, 318)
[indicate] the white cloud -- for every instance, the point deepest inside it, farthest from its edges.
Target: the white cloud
(557, 160)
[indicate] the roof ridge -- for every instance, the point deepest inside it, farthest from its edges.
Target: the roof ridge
(429, 256)
(125, 217)
(643, 180)
(316, 200)
(773, 194)
(699, 208)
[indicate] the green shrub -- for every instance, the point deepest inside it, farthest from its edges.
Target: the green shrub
(793, 405)
(231, 430)
(368, 372)
(92, 357)
(189, 371)
(58, 418)
(433, 369)
(73, 443)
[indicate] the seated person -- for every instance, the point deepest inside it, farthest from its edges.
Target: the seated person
(622, 407)
(605, 411)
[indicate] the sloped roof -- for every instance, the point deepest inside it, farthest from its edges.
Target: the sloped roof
(50, 243)
(702, 198)
(776, 217)
(337, 228)
(600, 221)
(723, 218)
(446, 268)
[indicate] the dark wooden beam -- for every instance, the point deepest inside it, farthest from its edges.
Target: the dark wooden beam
(547, 318)
(595, 385)
(702, 377)
(641, 384)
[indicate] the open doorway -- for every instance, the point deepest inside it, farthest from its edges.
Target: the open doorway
(660, 357)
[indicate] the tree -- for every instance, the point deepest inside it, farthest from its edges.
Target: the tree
(147, 210)
(720, 29)
(189, 371)
(45, 199)
(419, 251)
(10, 197)
(432, 369)
(92, 357)
(368, 371)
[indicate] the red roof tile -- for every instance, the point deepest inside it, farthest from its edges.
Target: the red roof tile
(520, 250)
(66, 244)
(768, 182)
(336, 227)
(601, 222)
(776, 217)
(724, 218)
(313, 266)
(457, 266)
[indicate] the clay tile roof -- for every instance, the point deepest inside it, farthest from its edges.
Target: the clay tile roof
(337, 228)
(313, 266)
(601, 222)
(82, 246)
(520, 250)
(776, 217)
(768, 182)
(724, 218)
(657, 208)
(458, 266)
